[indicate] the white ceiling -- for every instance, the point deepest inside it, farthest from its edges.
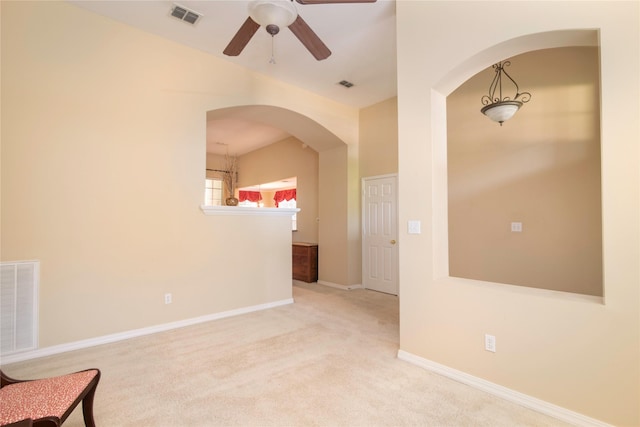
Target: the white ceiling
(239, 136)
(360, 36)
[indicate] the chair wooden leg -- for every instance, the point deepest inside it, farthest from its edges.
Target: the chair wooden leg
(87, 406)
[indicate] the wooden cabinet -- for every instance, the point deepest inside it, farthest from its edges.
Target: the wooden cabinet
(305, 262)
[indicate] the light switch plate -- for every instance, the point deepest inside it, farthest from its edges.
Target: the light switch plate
(516, 227)
(413, 227)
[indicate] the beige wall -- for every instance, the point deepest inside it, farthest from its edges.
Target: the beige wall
(286, 159)
(103, 165)
(333, 242)
(379, 139)
(579, 354)
(353, 216)
(541, 168)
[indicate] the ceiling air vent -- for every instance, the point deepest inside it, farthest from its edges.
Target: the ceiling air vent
(184, 14)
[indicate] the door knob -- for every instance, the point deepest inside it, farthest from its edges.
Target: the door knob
(393, 242)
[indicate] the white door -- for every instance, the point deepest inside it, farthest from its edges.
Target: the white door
(380, 234)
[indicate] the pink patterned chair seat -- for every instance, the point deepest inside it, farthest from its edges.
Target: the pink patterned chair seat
(48, 401)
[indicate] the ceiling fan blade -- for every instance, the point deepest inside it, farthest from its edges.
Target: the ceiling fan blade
(309, 39)
(242, 37)
(333, 1)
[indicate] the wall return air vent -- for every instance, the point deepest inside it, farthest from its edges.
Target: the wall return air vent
(18, 306)
(184, 14)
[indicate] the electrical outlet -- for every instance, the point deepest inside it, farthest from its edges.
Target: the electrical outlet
(168, 298)
(490, 343)
(516, 227)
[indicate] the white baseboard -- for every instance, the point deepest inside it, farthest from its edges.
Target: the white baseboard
(338, 286)
(503, 392)
(106, 339)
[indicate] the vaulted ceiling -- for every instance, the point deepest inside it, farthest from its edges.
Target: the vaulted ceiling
(361, 37)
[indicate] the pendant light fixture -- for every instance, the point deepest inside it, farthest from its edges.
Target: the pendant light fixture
(498, 106)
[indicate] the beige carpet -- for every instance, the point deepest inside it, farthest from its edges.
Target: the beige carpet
(327, 360)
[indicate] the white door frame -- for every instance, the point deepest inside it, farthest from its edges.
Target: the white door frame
(394, 232)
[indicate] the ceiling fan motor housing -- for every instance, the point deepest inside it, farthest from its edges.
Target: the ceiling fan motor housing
(272, 29)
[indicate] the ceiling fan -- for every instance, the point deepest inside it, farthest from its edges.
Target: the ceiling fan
(275, 14)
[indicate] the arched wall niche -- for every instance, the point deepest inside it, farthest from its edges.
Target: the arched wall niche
(457, 76)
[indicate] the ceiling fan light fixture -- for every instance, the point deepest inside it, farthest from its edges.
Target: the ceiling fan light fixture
(280, 13)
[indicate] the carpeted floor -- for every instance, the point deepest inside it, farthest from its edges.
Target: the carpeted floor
(327, 360)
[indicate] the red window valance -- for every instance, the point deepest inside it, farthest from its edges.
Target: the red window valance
(252, 196)
(284, 195)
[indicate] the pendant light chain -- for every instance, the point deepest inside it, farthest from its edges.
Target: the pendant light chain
(273, 59)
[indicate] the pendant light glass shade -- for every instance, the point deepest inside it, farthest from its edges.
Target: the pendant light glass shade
(280, 13)
(501, 111)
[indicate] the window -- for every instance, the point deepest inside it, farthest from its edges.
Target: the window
(287, 199)
(250, 199)
(213, 192)
(294, 218)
